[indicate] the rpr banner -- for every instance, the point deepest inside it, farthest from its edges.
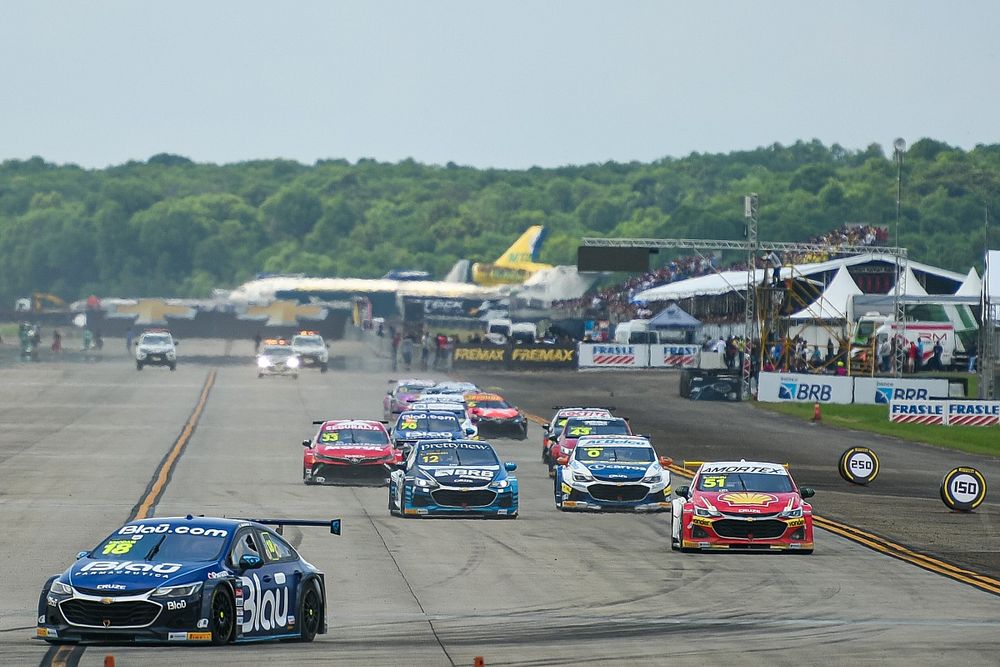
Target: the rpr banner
(804, 388)
(610, 355)
(946, 413)
(674, 356)
(882, 391)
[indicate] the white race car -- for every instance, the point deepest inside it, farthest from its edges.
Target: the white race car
(613, 472)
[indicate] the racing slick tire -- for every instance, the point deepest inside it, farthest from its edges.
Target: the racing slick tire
(295, 376)
(552, 470)
(523, 435)
(310, 613)
(322, 368)
(223, 621)
(393, 509)
(138, 365)
(173, 367)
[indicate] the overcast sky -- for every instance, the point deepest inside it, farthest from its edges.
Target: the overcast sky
(502, 84)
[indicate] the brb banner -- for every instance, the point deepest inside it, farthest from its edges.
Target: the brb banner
(614, 356)
(804, 388)
(945, 413)
(881, 391)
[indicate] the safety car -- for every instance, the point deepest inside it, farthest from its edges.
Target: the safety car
(496, 417)
(156, 347)
(551, 431)
(277, 358)
(348, 450)
(403, 392)
(453, 478)
(188, 579)
(613, 473)
(576, 428)
(414, 425)
(311, 350)
(742, 505)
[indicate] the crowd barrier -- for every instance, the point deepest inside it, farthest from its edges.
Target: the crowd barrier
(613, 355)
(809, 388)
(945, 413)
(518, 357)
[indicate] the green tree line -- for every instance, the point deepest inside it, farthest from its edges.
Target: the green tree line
(171, 227)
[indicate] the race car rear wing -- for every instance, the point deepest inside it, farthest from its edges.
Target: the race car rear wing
(334, 524)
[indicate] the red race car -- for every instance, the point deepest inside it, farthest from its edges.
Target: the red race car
(551, 431)
(742, 505)
(576, 428)
(349, 450)
(495, 417)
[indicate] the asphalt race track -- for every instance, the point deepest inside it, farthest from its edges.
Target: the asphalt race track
(80, 442)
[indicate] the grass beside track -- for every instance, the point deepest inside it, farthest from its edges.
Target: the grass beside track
(875, 419)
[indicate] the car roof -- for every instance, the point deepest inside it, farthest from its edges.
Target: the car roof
(191, 520)
(415, 381)
(428, 413)
(712, 467)
(351, 422)
(600, 420)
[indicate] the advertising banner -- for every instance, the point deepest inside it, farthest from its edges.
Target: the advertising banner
(946, 413)
(804, 388)
(599, 355)
(674, 356)
(475, 355)
(918, 412)
(973, 413)
(526, 357)
(881, 391)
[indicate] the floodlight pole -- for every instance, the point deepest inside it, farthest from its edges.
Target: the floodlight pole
(898, 291)
(749, 308)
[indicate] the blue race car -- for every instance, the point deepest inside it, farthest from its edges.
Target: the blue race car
(453, 478)
(413, 426)
(613, 472)
(187, 579)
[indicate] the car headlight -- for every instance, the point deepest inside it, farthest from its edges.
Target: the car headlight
(59, 588)
(582, 476)
(293, 362)
(171, 355)
(653, 477)
(176, 591)
(794, 513)
(263, 363)
(706, 511)
(141, 355)
(425, 483)
(500, 484)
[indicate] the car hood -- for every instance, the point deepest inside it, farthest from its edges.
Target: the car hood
(616, 472)
(124, 577)
(463, 476)
(351, 450)
(156, 348)
(748, 502)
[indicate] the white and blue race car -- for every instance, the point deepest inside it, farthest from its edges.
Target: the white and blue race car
(453, 478)
(613, 472)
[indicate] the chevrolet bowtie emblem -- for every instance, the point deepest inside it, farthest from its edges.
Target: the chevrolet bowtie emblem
(106, 600)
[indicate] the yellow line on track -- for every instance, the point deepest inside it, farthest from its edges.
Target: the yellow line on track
(168, 464)
(59, 659)
(880, 544)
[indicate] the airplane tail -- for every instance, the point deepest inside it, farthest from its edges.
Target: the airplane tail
(525, 249)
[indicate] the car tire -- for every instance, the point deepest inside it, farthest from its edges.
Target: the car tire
(322, 368)
(223, 620)
(552, 471)
(173, 367)
(310, 613)
(138, 365)
(305, 479)
(295, 376)
(804, 552)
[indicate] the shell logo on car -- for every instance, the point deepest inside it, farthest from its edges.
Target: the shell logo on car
(748, 498)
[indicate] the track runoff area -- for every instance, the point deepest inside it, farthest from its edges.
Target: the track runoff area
(86, 446)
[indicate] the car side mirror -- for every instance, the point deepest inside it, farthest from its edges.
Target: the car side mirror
(307, 443)
(683, 492)
(806, 492)
(82, 554)
(666, 461)
(509, 466)
(562, 460)
(470, 431)
(250, 562)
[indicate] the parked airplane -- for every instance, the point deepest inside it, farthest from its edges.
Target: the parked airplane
(517, 264)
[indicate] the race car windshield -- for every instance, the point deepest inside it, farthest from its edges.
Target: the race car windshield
(159, 548)
(434, 423)
(457, 457)
(411, 388)
(156, 339)
(745, 481)
(354, 436)
(490, 405)
(576, 429)
(614, 454)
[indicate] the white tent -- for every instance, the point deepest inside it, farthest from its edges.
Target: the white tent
(911, 286)
(832, 303)
(971, 286)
